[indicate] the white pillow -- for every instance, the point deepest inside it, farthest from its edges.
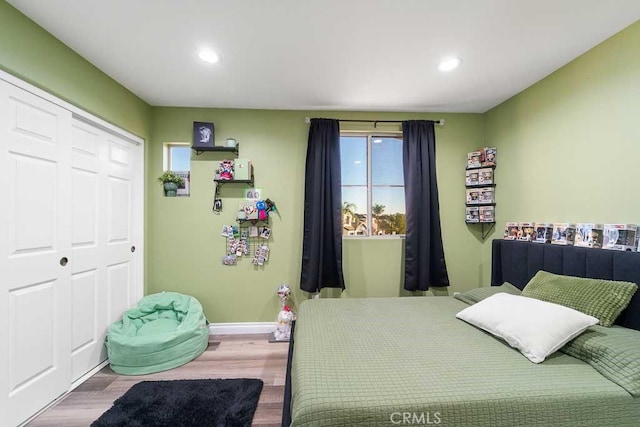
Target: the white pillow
(536, 328)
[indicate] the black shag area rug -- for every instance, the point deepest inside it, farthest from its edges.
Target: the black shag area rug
(185, 403)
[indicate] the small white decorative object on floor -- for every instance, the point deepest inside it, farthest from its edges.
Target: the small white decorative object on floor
(283, 328)
(285, 316)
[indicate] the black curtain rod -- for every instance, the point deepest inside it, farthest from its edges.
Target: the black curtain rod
(375, 122)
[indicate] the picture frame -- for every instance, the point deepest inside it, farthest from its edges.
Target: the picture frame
(203, 135)
(265, 233)
(184, 188)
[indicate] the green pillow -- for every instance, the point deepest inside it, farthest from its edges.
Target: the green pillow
(603, 299)
(614, 352)
(478, 294)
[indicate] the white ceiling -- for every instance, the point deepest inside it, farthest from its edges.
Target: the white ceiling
(330, 54)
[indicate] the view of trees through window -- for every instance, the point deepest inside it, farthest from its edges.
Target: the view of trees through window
(372, 185)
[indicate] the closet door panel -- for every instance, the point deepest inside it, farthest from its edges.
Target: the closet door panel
(88, 281)
(120, 220)
(103, 197)
(33, 211)
(71, 215)
(35, 256)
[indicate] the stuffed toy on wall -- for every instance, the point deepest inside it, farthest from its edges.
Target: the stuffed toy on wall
(261, 205)
(226, 170)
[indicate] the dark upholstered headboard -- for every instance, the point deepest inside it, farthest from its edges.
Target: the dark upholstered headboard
(517, 262)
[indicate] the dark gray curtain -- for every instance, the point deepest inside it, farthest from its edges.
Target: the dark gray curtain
(322, 240)
(424, 254)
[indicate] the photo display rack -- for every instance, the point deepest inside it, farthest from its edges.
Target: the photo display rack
(248, 239)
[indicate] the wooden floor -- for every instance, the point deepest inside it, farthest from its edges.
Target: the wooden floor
(228, 356)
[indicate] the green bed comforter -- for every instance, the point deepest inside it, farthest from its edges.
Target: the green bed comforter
(402, 361)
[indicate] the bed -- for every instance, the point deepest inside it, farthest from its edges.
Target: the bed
(398, 361)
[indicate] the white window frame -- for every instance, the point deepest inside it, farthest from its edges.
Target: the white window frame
(166, 165)
(370, 136)
(166, 154)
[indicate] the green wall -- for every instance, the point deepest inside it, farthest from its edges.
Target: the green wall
(29, 52)
(184, 243)
(568, 146)
(183, 236)
(567, 151)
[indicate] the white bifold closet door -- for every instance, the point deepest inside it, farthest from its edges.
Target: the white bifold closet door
(102, 249)
(67, 257)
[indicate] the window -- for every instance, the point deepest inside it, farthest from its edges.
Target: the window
(372, 185)
(177, 158)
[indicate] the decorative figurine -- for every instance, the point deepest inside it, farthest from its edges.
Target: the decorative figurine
(262, 210)
(284, 292)
(226, 170)
(283, 328)
(271, 206)
(285, 316)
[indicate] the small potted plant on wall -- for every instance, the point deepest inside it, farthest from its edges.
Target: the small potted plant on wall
(171, 181)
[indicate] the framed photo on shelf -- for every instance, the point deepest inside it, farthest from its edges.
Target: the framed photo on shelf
(203, 135)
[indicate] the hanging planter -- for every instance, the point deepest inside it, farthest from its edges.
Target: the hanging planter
(171, 181)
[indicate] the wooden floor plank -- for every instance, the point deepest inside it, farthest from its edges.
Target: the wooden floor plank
(227, 356)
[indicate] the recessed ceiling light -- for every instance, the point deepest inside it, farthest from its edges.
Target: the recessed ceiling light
(209, 56)
(449, 63)
(357, 162)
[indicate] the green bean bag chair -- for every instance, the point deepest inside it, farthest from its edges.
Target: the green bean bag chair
(164, 331)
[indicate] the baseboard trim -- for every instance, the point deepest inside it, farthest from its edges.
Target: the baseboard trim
(88, 375)
(241, 328)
